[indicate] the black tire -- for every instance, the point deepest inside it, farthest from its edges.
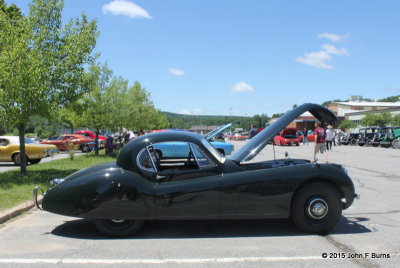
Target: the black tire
(35, 161)
(386, 145)
(118, 228)
(396, 143)
(16, 158)
(316, 208)
(368, 143)
(375, 144)
(353, 142)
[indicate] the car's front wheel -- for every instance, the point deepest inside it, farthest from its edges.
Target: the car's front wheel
(396, 143)
(118, 228)
(316, 208)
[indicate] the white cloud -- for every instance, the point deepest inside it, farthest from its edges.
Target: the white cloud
(317, 59)
(176, 72)
(333, 37)
(331, 49)
(320, 59)
(241, 87)
(126, 8)
(191, 112)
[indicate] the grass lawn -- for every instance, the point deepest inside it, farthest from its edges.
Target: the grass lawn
(15, 189)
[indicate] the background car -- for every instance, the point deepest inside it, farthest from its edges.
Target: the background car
(9, 150)
(366, 135)
(83, 143)
(287, 137)
(310, 136)
(172, 150)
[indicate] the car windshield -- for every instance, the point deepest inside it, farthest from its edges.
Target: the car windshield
(28, 140)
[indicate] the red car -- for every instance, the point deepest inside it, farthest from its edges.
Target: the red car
(85, 144)
(287, 137)
(90, 134)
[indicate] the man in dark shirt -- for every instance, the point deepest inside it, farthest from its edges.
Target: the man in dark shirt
(253, 131)
(320, 142)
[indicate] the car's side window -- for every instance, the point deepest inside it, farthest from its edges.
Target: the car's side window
(4, 142)
(202, 160)
(144, 161)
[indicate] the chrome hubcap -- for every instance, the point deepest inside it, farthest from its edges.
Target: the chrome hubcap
(317, 208)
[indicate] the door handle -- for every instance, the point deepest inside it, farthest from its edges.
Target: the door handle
(159, 177)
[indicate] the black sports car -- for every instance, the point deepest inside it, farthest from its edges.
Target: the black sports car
(204, 184)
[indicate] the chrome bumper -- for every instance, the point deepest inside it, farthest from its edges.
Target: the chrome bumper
(35, 196)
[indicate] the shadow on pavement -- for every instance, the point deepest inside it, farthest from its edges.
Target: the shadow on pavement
(182, 229)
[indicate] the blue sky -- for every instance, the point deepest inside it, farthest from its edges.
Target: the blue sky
(247, 57)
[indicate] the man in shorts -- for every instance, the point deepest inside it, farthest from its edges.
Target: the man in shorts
(320, 142)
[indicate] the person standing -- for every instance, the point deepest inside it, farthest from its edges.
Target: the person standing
(253, 131)
(320, 139)
(305, 136)
(330, 135)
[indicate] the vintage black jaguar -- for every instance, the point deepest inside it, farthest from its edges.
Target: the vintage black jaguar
(142, 185)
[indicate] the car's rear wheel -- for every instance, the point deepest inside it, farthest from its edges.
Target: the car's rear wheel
(35, 161)
(353, 142)
(118, 228)
(316, 208)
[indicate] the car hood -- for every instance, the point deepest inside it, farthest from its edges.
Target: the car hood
(289, 131)
(256, 144)
(219, 129)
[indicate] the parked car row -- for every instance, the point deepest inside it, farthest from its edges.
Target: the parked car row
(374, 136)
(34, 152)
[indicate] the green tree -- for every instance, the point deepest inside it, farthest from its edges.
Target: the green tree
(138, 111)
(395, 121)
(390, 99)
(98, 107)
(41, 64)
(347, 124)
(373, 119)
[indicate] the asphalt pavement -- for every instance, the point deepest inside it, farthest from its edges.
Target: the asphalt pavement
(6, 166)
(367, 235)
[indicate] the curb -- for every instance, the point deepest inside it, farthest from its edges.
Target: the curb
(17, 210)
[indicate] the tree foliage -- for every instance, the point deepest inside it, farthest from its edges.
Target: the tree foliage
(347, 124)
(390, 99)
(110, 103)
(395, 120)
(373, 119)
(41, 63)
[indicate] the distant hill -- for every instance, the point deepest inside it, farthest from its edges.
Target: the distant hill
(182, 121)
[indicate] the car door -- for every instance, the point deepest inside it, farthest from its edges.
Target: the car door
(256, 193)
(189, 191)
(5, 154)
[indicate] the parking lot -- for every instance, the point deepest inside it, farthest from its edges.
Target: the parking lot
(367, 235)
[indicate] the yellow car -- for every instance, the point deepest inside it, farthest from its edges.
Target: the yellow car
(9, 150)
